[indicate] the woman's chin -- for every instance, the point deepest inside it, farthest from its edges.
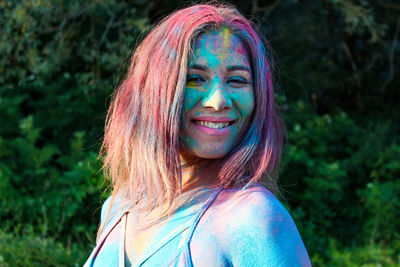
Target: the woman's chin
(214, 154)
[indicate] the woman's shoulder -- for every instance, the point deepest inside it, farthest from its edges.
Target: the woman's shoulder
(252, 201)
(104, 209)
(241, 210)
(254, 229)
(112, 208)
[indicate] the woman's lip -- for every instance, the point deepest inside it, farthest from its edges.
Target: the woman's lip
(212, 131)
(213, 119)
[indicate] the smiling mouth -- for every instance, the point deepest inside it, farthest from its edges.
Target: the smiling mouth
(213, 125)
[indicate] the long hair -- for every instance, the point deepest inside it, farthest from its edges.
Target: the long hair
(141, 148)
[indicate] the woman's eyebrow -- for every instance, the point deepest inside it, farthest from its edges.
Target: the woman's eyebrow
(198, 67)
(239, 67)
(230, 68)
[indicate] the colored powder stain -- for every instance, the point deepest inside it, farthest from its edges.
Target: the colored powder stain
(191, 84)
(164, 44)
(214, 61)
(177, 30)
(227, 37)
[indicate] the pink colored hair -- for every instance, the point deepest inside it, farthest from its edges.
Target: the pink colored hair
(141, 147)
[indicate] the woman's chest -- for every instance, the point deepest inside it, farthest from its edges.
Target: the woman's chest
(171, 243)
(204, 250)
(186, 240)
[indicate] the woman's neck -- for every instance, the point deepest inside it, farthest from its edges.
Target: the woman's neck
(198, 174)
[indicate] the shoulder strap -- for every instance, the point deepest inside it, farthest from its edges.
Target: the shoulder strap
(121, 259)
(109, 227)
(200, 214)
(179, 230)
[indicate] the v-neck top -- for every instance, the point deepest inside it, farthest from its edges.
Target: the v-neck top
(167, 248)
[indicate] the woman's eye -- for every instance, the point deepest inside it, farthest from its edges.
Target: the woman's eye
(194, 80)
(237, 81)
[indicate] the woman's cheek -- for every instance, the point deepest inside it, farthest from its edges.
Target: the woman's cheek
(244, 101)
(192, 96)
(188, 143)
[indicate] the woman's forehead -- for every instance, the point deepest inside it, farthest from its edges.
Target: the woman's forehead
(219, 46)
(218, 39)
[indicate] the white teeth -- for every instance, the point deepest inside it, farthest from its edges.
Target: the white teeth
(213, 125)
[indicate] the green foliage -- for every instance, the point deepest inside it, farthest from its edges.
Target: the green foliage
(345, 184)
(51, 186)
(30, 249)
(367, 256)
(58, 64)
(336, 59)
(381, 197)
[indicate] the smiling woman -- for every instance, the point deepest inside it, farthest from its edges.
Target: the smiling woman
(219, 96)
(191, 136)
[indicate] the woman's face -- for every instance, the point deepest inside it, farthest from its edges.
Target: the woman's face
(219, 96)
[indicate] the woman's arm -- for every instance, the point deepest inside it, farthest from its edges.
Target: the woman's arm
(262, 233)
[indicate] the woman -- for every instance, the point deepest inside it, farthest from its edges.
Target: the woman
(190, 133)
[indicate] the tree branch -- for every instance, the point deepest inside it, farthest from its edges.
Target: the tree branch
(365, 69)
(268, 9)
(390, 6)
(391, 57)
(352, 63)
(104, 35)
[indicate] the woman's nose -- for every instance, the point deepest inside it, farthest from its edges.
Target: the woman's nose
(217, 98)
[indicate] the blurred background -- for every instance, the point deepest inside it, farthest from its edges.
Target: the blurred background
(337, 75)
